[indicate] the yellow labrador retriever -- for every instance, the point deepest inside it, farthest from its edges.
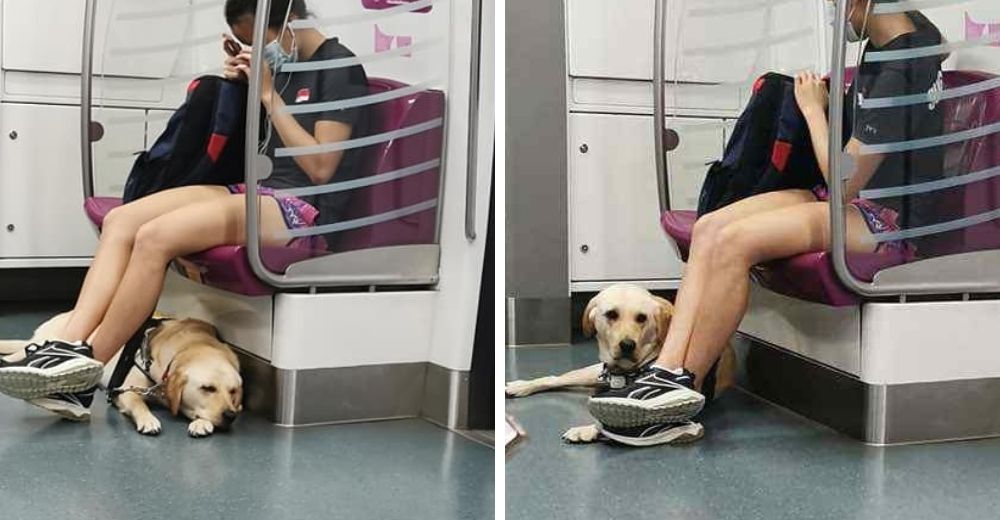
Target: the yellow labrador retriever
(199, 375)
(631, 325)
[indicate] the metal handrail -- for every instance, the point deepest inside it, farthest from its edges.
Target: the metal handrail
(86, 93)
(838, 161)
(659, 108)
(473, 149)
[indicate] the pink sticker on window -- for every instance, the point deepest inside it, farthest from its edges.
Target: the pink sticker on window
(385, 41)
(386, 4)
(978, 30)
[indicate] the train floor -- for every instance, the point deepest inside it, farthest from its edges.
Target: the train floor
(756, 461)
(405, 469)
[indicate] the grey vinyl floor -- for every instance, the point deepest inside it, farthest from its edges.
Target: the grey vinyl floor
(406, 469)
(757, 461)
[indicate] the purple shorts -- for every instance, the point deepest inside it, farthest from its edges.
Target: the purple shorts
(297, 213)
(879, 219)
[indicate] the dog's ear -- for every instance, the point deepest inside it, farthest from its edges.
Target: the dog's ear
(175, 390)
(588, 319)
(663, 316)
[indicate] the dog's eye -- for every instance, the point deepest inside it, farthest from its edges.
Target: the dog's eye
(611, 315)
(641, 318)
(208, 388)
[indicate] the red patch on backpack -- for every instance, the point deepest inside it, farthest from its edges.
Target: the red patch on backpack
(780, 154)
(215, 145)
(302, 95)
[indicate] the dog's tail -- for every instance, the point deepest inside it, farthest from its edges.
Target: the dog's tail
(10, 346)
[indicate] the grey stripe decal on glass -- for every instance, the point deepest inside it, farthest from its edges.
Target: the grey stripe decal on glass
(339, 63)
(931, 50)
(925, 187)
(912, 5)
(735, 8)
(916, 99)
(758, 44)
(364, 221)
(353, 184)
(935, 229)
(314, 23)
(166, 47)
(930, 142)
(309, 108)
(154, 14)
(360, 142)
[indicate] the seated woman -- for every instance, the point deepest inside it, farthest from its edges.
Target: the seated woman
(141, 238)
(726, 243)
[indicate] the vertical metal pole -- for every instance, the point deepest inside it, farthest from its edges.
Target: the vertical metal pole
(473, 149)
(86, 92)
(659, 110)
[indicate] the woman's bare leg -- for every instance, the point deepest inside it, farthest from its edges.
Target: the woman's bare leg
(775, 234)
(187, 230)
(115, 247)
(698, 268)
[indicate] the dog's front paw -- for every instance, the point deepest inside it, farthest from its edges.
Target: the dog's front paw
(581, 434)
(520, 388)
(148, 425)
(200, 428)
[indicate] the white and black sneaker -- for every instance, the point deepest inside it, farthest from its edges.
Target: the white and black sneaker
(659, 396)
(53, 368)
(643, 436)
(72, 406)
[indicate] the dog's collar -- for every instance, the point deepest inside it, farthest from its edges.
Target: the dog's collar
(616, 381)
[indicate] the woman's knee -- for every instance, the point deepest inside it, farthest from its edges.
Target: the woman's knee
(153, 241)
(736, 247)
(705, 233)
(119, 225)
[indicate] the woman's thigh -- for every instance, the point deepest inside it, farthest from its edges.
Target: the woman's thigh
(203, 225)
(793, 230)
(762, 203)
(138, 212)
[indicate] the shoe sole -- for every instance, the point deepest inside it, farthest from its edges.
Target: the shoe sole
(685, 434)
(619, 412)
(75, 375)
(63, 409)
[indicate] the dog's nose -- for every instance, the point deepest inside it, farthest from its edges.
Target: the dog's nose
(229, 416)
(627, 347)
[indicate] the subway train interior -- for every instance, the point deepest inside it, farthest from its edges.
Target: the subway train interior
(864, 383)
(364, 342)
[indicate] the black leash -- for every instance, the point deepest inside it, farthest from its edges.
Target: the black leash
(137, 344)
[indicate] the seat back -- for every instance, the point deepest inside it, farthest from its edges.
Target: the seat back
(964, 158)
(391, 156)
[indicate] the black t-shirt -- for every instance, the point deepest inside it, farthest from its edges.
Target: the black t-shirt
(321, 86)
(878, 126)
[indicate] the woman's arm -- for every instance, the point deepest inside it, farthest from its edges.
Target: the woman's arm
(812, 95)
(319, 167)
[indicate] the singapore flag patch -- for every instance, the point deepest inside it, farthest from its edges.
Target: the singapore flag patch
(302, 95)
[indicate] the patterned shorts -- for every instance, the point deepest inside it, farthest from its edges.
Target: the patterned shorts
(297, 213)
(879, 219)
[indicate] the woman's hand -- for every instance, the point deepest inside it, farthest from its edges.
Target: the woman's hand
(241, 65)
(811, 93)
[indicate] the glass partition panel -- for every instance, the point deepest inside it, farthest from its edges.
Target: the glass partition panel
(344, 148)
(142, 58)
(919, 197)
(351, 139)
(709, 55)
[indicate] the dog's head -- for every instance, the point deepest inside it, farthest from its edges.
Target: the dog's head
(630, 324)
(204, 382)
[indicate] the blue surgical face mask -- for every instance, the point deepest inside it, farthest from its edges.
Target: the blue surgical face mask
(276, 56)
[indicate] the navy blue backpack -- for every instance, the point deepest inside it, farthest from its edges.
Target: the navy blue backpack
(769, 150)
(202, 144)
